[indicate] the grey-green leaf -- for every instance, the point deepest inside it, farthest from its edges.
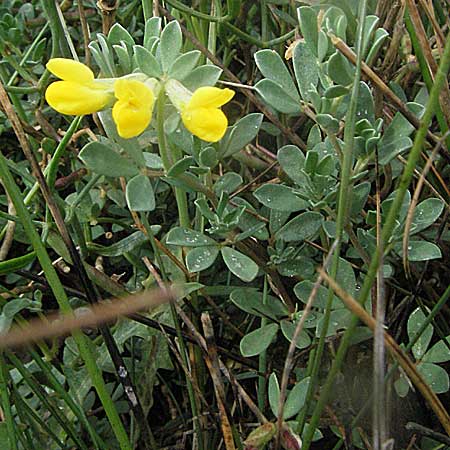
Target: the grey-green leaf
(184, 65)
(242, 132)
(439, 353)
(170, 45)
(306, 69)
(304, 226)
(105, 161)
(307, 19)
(200, 258)
(280, 197)
(118, 34)
(146, 62)
(288, 329)
(251, 301)
(426, 213)
(340, 70)
(415, 321)
(271, 65)
(139, 194)
(239, 264)
(257, 341)
(436, 377)
(206, 75)
(423, 251)
(277, 97)
(188, 238)
(296, 399)
(292, 161)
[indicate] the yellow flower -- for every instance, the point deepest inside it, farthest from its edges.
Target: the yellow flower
(202, 116)
(133, 110)
(79, 93)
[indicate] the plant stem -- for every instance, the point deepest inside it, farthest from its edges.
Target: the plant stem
(388, 228)
(343, 203)
(61, 297)
(6, 404)
(262, 360)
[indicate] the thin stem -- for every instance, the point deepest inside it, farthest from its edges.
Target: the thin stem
(388, 228)
(61, 297)
(58, 153)
(343, 202)
(262, 360)
(342, 213)
(6, 404)
(168, 159)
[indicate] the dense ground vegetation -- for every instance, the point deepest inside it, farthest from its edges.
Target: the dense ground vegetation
(299, 209)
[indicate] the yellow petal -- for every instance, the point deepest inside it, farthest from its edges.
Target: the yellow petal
(133, 91)
(70, 70)
(76, 99)
(210, 97)
(132, 112)
(130, 120)
(208, 124)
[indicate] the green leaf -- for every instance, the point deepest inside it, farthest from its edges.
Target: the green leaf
(380, 36)
(105, 161)
(118, 34)
(280, 197)
(251, 301)
(423, 251)
(257, 341)
(396, 139)
(307, 19)
(153, 161)
(152, 30)
(435, 376)
(439, 353)
(240, 265)
(228, 183)
(306, 69)
(340, 319)
(292, 161)
(184, 65)
(346, 276)
(426, 213)
(303, 289)
(188, 238)
(200, 258)
(304, 226)
(4, 436)
(288, 329)
(125, 245)
(340, 70)
(139, 194)
(206, 75)
(242, 133)
(296, 399)
(208, 157)
(415, 321)
(365, 105)
(271, 65)
(124, 58)
(146, 62)
(402, 386)
(336, 91)
(170, 45)
(274, 394)
(181, 166)
(277, 97)
(360, 194)
(328, 122)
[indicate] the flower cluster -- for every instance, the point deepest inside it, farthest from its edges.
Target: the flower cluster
(132, 99)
